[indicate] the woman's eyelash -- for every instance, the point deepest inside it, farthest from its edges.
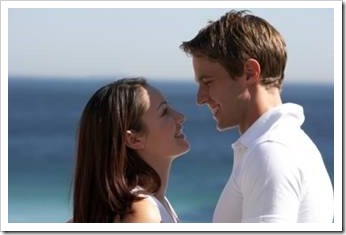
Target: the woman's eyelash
(164, 111)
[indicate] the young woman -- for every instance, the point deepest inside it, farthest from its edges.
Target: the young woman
(128, 137)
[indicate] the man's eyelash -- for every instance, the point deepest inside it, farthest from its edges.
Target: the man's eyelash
(206, 82)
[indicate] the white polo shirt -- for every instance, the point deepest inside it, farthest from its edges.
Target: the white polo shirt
(278, 174)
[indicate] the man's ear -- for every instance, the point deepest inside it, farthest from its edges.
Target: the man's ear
(252, 70)
(134, 140)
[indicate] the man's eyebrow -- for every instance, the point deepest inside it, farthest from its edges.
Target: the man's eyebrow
(162, 103)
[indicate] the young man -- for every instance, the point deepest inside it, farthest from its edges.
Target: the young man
(278, 173)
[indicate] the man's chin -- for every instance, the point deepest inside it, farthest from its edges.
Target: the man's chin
(222, 128)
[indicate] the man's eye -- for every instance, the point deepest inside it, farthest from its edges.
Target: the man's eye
(207, 82)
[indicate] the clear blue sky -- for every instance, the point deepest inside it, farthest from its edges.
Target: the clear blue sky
(145, 41)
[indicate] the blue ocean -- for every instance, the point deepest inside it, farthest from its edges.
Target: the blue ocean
(43, 115)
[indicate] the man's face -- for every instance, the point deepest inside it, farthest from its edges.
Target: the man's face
(225, 96)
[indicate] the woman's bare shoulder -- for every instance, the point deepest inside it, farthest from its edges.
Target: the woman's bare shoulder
(144, 211)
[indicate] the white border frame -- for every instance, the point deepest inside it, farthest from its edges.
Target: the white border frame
(336, 226)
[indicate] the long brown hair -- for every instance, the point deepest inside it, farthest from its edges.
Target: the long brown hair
(106, 169)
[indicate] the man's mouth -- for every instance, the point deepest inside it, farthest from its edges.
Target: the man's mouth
(215, 109)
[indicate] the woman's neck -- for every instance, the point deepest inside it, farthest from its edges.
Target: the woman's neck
(163, 170)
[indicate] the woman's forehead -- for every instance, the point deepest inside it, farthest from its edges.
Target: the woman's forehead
(152, 97)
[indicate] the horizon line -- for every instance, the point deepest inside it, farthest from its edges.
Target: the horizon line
(149, 78)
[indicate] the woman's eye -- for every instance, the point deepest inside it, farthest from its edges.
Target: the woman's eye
(164, 112)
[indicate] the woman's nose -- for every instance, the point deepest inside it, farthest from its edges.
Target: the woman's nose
(180, 117)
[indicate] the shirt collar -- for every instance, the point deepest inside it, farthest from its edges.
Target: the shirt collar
(266, 121)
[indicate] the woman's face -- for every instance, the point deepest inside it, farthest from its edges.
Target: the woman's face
(164, 135)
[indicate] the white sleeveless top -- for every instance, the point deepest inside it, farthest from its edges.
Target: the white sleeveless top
(167, 212)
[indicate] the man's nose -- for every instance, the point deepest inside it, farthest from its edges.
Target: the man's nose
(202, 95)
